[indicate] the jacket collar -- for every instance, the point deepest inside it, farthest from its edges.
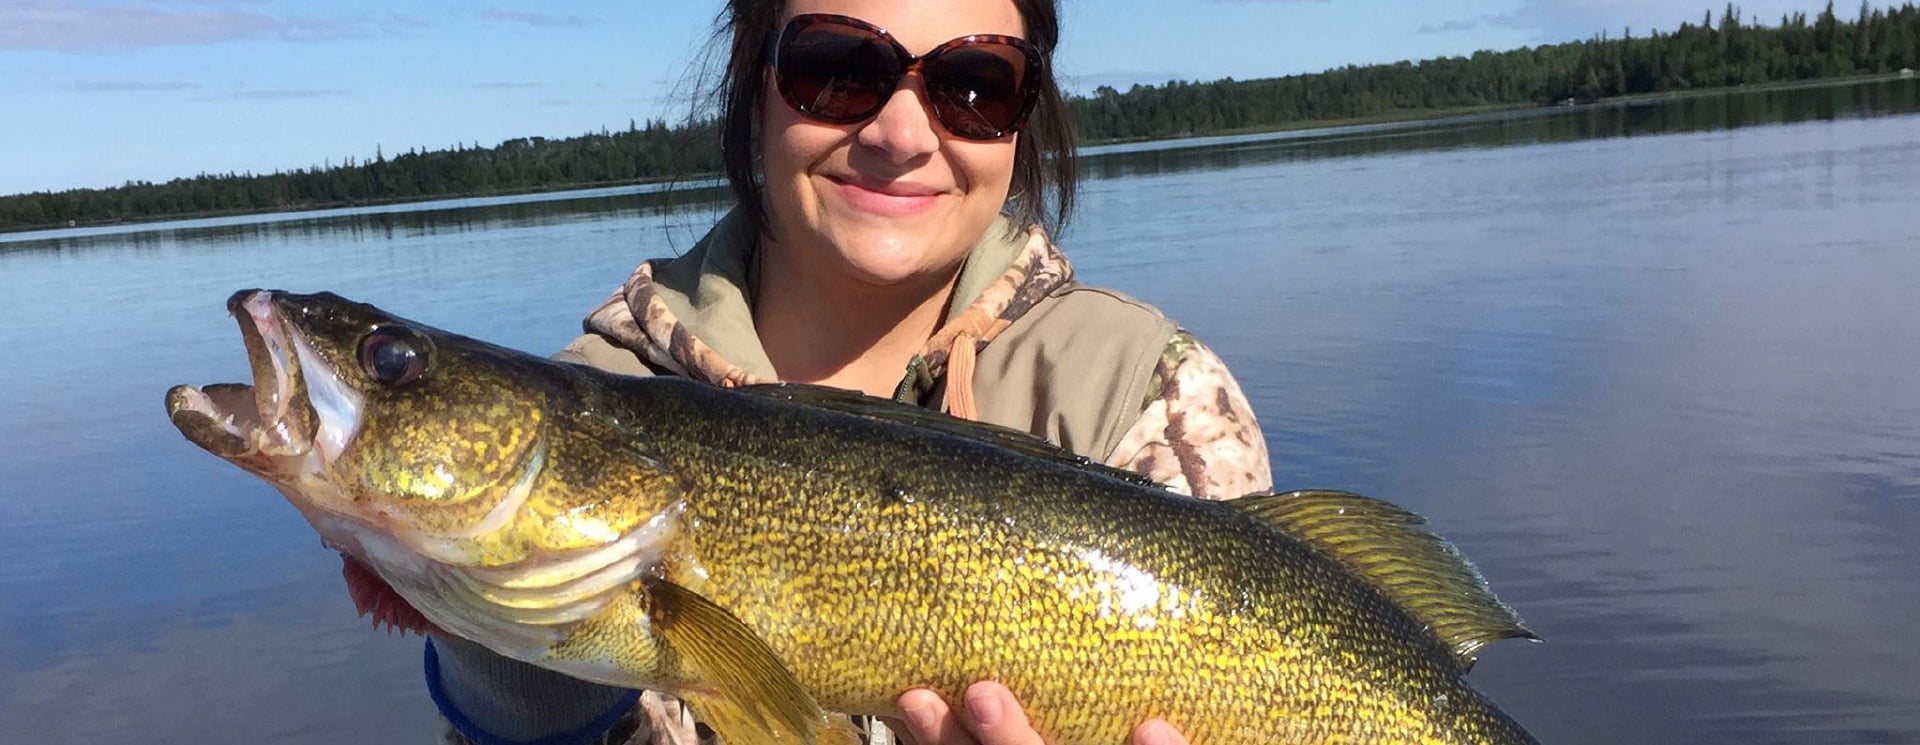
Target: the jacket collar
(693, 315)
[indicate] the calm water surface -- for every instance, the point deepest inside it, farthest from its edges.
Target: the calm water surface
(1653, 367)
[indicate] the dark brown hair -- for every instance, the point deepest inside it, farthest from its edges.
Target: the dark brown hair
(1043, 172)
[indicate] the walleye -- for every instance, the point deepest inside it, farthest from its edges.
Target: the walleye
(773, 553)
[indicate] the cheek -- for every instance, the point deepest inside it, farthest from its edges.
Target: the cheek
(779, 157)
(789, 147)
(984, 169)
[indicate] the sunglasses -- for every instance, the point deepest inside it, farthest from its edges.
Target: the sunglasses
(842, 70)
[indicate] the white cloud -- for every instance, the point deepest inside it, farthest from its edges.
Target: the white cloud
(1465, 24)
(281, 93)
(80, 26)
(538, 19)
(132, 86)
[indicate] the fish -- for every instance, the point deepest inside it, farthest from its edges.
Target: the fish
(779, 555)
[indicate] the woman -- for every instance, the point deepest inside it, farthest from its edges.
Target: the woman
(892, 186)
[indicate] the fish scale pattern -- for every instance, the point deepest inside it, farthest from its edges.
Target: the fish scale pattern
(875, 558)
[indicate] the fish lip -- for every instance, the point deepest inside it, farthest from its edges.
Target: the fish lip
(218, 417)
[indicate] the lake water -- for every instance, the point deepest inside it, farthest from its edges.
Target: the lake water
(1656, 368)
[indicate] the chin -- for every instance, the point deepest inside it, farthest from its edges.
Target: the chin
(896, 258)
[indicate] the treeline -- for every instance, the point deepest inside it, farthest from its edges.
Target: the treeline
(655, 151)
(1730, 52)
(1735, 53)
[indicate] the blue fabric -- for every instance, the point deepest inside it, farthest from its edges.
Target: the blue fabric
(592, 731)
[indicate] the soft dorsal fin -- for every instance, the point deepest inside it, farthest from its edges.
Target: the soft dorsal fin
(1384, 545)
(852, 402)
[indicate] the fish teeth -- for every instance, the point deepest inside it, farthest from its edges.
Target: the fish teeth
(231, 425)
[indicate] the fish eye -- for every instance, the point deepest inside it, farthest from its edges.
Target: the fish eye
(394, 355)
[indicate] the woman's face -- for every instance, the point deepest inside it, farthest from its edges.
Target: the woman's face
(894, 201)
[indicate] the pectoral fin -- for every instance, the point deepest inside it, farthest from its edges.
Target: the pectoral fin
(733, 680)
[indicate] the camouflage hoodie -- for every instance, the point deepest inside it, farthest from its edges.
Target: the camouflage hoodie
(1187, 424)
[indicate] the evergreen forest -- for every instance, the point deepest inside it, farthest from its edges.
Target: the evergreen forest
(1723, 51)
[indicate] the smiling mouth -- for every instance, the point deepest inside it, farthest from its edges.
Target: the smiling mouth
(897, 191)
(885, 200)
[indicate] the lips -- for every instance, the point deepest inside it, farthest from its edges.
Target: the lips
(892, 198)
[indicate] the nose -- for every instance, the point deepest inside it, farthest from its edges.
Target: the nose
(904, 129)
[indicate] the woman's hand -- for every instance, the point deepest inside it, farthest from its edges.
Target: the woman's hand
(992, 717)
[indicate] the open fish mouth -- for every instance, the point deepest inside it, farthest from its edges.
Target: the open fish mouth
(295, 418)
(290, 423)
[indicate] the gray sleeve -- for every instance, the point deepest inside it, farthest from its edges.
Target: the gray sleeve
(517, 701)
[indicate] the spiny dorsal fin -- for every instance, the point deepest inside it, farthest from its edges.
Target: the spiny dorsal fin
(850, 402)
(1383, 544)
(736, 684)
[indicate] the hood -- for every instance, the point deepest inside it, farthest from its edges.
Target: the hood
(693, 316)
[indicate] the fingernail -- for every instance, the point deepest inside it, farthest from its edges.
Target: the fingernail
(985, 708)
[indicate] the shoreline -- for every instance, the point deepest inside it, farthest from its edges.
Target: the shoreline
(695, 182)
(1412, 115)
(702, 181)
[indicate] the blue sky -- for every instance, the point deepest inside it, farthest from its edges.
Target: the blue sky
(97, 92)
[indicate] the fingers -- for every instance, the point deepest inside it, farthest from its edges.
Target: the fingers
(996, 717)
(1157, 732)
(992, 717)
(929, 721)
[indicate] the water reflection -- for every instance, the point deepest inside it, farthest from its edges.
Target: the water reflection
(1505, 129)
(1658, 387)
(457, 214)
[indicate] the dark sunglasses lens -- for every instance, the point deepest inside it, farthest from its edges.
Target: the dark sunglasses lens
(838, 73)
(979, 90)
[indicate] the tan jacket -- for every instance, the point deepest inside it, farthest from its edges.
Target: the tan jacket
(1092, 370)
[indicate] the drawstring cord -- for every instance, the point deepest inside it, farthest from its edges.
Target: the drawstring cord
(963, 359)
(960, 364)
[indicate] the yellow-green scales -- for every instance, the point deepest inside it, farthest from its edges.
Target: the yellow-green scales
(876, 549)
